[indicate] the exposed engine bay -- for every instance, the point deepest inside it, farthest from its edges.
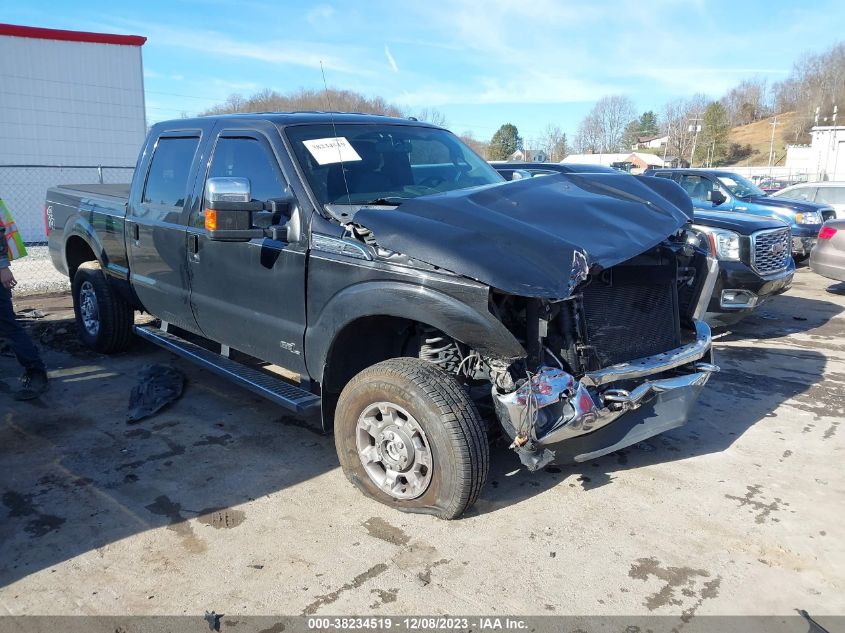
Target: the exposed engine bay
(625, 334)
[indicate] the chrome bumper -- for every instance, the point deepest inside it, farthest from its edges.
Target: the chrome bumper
(554, 407)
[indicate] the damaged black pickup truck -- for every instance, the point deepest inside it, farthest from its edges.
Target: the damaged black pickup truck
(378, 270)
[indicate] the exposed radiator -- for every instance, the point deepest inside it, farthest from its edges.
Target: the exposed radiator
(631, 312)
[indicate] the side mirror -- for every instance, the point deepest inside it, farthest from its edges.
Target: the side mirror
(229, 209)
(716, 197)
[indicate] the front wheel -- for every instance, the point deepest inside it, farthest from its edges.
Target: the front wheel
(409, 436)
(103, 317)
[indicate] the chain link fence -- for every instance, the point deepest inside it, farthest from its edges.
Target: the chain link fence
(763, 174)
(23, 188)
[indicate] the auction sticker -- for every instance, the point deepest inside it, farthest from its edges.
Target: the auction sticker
(335, 149)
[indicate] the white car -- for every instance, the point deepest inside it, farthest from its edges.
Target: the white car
(831, 193)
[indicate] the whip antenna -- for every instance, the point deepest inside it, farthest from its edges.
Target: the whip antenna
(334, 131)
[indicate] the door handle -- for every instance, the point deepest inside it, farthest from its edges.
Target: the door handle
(136, 232)
(195, 244)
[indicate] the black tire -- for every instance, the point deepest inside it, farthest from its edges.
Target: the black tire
(114, 315)
(453, 428)
(800, 259)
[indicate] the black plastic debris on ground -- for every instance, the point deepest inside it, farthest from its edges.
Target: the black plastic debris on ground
(158, 386)
(30, 313)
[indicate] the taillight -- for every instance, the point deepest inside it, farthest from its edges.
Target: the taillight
(827, 232)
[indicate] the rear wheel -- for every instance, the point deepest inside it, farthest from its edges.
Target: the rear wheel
(104, 318)
(409, 436)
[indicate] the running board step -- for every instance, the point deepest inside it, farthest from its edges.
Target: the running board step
(279, 391)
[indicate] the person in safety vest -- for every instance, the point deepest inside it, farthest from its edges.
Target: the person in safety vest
(34, 379)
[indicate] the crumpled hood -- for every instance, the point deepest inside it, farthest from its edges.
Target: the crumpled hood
(534, 237)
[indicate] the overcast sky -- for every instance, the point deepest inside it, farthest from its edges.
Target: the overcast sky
(482, 63)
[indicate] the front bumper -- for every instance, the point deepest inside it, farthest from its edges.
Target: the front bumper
(555, 418)
(740, 289)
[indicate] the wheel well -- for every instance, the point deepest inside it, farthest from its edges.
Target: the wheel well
(360, 344)
(77, 252)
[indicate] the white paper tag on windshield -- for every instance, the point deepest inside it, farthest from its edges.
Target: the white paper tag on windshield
(335, 149)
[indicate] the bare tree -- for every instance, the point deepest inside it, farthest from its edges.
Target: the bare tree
(307, 99)
(603, 128)
(816, 81)
(679, 120)
(747, 102)
(553, 142)
(588, 138)
(479, 147)
(433, 116)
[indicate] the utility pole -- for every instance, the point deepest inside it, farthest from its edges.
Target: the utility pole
(774, 124)
(819, 155)
(835, 143)
(830, 143)
(666, 146)
(694, 127)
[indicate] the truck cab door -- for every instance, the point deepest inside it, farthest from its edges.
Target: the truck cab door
(156, 226)
(250, 295)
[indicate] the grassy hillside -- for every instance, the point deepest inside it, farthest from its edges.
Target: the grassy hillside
(758, 135)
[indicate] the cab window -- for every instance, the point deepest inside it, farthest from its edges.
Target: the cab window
(831, 195)
(248, 158)
(799, 193)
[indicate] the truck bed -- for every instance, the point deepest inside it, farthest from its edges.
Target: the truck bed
(88, 209)
(120, 190)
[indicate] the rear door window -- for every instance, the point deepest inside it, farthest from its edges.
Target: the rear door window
(167, 179)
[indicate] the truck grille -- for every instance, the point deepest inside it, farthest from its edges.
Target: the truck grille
(771, 250)
(629, 321)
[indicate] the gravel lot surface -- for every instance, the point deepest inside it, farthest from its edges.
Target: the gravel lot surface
(224, 502)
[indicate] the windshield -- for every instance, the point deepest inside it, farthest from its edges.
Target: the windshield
(383, 163)
(739, 186)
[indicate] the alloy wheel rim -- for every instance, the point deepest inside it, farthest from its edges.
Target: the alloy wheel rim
(89, 310)
(394, 450)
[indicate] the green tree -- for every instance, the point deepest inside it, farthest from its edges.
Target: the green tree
(648, 124)
(644, 126)
(505, 142)
(713, 138)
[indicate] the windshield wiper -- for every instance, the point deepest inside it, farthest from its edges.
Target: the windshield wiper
(393, 201)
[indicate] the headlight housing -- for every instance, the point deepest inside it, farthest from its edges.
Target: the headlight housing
(722, 244)
(808, 217)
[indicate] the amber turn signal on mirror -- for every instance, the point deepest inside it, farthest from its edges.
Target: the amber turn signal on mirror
(210, 220)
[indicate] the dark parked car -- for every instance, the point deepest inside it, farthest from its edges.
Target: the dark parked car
(507, 169)
(392, 272)
(727, 192)
(750, 271)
